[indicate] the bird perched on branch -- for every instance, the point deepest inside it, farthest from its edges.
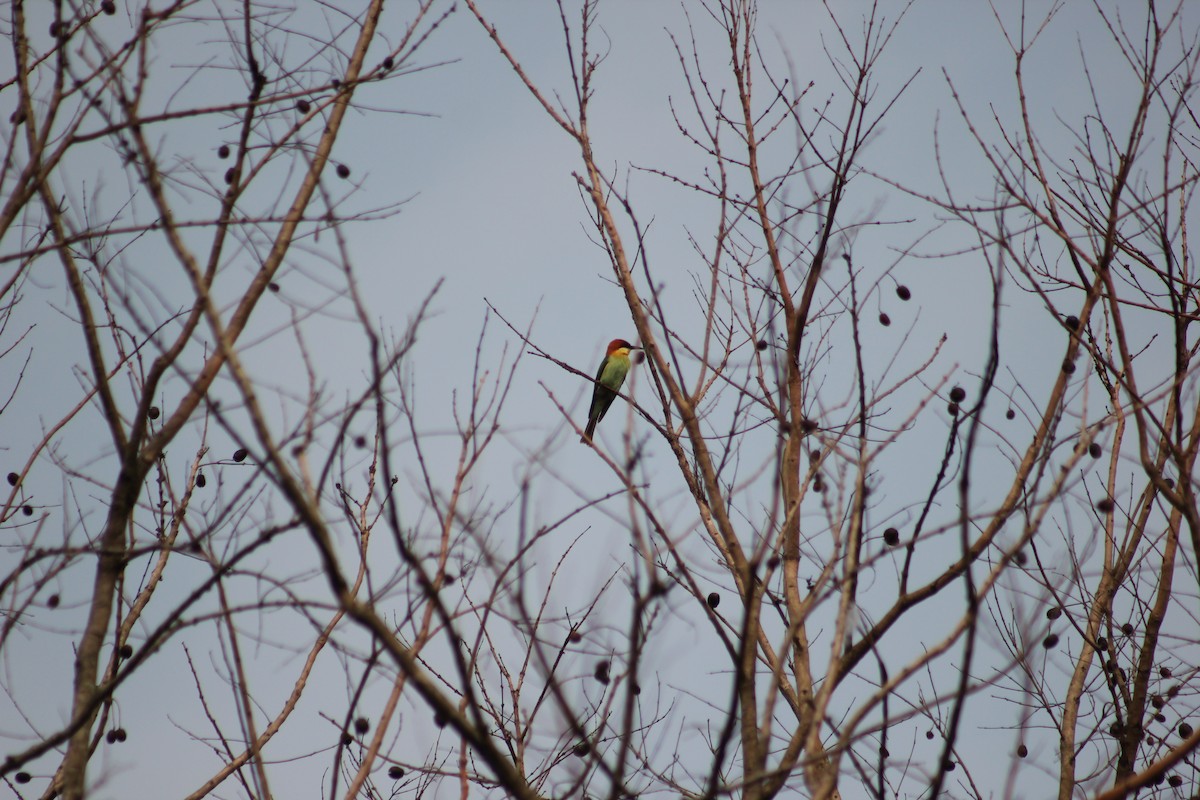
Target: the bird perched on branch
(609, 378)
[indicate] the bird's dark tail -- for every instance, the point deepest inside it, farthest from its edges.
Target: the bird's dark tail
(589, 430)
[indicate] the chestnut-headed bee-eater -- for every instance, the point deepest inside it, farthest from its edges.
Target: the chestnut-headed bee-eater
(609, 378)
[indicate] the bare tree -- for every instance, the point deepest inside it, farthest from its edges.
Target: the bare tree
(878, 556)
(783, 411)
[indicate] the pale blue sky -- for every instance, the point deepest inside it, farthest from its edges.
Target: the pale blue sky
(495, 213)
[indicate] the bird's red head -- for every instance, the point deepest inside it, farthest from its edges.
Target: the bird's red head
(619, 344)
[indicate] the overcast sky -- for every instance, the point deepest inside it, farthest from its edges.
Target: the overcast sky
(493, 212)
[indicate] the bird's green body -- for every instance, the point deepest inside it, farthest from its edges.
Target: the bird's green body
(609, 378)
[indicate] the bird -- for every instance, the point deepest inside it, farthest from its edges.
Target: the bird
(609, 378)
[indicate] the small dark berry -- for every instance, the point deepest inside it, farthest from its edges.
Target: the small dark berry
(108, 7)
(201, 481)
(601, 673)
(273, 286)
(361, 726)
(439, 720)
(239, 455)
(814, 454)
(153, 413)
(1160, 717)
(27, 510)
(395, 773)
(1050, 641)
(883, 751)
(1072, 323)
(1163, 672)
(53, 600)
(1068, 366)
(952, 409)
(1127, 629)
(575, 636)
(360, 442)
(808, 425)
(119, 734)
(56, 29)
(1185, 730)
(110, 737)
(948, 765)
(223, 151)
(346, 738)
(1156, 700)
(1053, 613)
(958, 394)
(1095, 450)
(229, 173)
(13, 479)
(343, 171)
(1102, 643)
(773, 562)
(1116, 729)
(126, 651)
(884, 319)
(303, 106)
(1022, 751)
(1010, 414)
(762, 345)
(22, 777)
(637, 689)
(714, 599)
(1020, 558)
(1104, 505)
(581, 749)
(1170, 482)
(929, 734)
(902, 292)
(1175, 780)
(389, 62)
(891, 537)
